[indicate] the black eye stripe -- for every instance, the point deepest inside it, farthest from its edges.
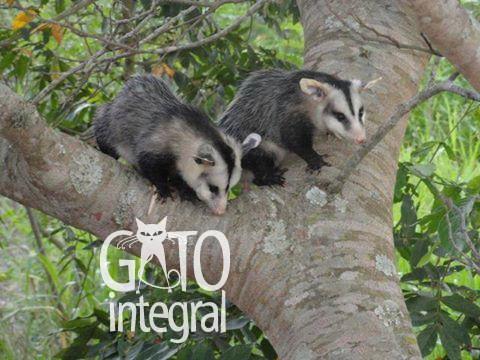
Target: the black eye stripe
(213, 189)
(340, 116)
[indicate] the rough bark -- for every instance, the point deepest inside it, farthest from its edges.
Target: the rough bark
(453, 32)
(317, 277)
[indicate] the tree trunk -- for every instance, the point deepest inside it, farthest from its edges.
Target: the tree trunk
(318, 277)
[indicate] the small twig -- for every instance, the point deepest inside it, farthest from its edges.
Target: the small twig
(209, 4)
(337, 184)
(449, 204)
(429, 44)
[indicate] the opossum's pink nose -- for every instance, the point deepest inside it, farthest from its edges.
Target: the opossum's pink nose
(360, 140)
(219, 211)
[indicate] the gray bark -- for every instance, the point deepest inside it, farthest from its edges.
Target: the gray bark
(453, 32)
(317, 277)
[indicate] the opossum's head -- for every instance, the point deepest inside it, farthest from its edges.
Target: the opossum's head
(220, 169)
(337, 107)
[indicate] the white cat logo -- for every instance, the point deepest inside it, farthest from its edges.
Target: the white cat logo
(151, 236)
(211, 315)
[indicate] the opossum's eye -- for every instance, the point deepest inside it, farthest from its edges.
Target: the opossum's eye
(142, 233)
(340, 117)
(360, 113)
(213, 189)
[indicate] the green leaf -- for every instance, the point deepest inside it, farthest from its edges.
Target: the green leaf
(102, 316)
(134, 350)
(408, 217)
(21, 66)
(94, 244)
(77, 323)
(419, 250)
(237, 323)
(416, 274)
(239, 352)
(423, 318)
(450, 344)
(449, 151)
(400, 183)
(421, 303)
(423, 170)
(455, 330)
(157, 352)
(73, 352)
(59, 6)
(268, 350)
(449, 232)
(7, 60)
(234, 192)
(202, 351)
(424, 149)
(52, 271)
(473, 185)
(427, 340)
(460, 304)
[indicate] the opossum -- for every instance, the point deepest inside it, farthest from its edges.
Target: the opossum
(287, 108)
(171, 143)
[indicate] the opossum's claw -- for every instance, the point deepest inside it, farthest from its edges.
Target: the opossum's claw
(164, 192)
(317, 166)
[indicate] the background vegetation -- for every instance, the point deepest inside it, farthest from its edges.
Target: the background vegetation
(52, 301)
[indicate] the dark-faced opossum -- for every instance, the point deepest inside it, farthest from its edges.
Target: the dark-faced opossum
(287, 108)
(171, 143)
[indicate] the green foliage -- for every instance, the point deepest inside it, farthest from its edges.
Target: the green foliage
(439, 165)
(242, 340)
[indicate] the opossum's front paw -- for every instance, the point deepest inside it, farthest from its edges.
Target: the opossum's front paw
(164, 192)
(274, 178)
(316, 166)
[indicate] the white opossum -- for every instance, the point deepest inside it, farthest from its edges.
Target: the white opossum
(287, 108)
(173, 144)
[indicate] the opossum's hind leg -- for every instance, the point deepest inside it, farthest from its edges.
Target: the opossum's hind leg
(262, 165)
(157, 168)
(184, 191)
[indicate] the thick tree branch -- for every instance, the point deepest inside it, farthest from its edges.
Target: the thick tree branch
(453, 32)
(317, 277)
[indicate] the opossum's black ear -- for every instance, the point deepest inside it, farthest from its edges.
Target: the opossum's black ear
(205, 156)
(251, 142)
(314, 88)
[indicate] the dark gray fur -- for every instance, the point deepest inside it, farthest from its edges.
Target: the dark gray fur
(151, 128)
(272, 104)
